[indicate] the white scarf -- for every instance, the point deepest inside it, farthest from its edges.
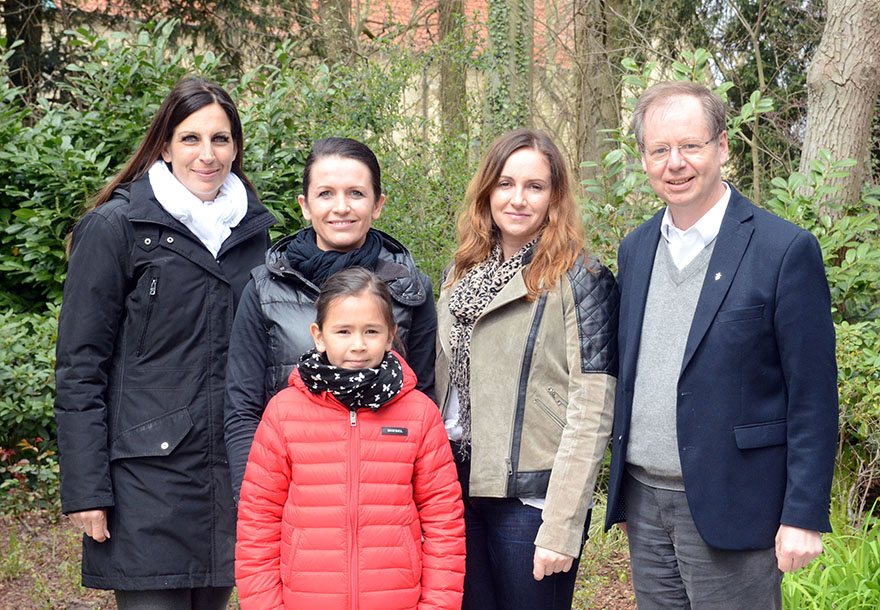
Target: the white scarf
(210, 221)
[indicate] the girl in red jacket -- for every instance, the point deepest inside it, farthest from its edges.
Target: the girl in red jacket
(350, 498)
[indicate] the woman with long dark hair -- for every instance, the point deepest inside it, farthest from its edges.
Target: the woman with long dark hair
(156, 270)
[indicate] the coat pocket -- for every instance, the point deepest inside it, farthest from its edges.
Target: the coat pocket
(744, 313)
(413, 537)
(767, 434)
(289, 570)
(151, 280)
(156, 437)
(551, 414)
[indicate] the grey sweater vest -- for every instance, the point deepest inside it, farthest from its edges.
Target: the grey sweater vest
(652, 453)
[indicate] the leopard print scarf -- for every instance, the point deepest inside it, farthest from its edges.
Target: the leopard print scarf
(469, 298)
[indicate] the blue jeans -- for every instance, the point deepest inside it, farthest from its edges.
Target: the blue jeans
(500, 536)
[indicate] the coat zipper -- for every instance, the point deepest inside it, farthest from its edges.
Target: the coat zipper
(246, 232)
(154, 288)
(353, 469)
(559, 400)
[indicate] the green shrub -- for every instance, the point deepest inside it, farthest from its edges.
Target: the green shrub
(858, 459)
(29, 478)
(287, 106)
(846, 576)
(28, 461)
(27, 380)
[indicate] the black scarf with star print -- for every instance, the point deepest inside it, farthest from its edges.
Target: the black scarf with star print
(355, 388)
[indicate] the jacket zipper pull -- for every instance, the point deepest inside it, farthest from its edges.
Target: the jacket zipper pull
(354, 419)
(153, 286)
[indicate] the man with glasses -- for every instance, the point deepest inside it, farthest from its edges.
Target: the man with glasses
(725, 422)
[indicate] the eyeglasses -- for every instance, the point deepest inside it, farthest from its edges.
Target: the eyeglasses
(658, 153)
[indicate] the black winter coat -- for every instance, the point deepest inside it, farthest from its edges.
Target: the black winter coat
(141, 360)
(271, 332)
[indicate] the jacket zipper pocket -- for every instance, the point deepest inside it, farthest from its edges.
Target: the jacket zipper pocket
(549, 412)
(154, 290)
(558, 398)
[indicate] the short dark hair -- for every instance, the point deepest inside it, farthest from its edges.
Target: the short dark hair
(353, 281)
(346, 148)
(713, 106)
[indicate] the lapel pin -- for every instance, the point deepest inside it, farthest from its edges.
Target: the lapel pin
(717, 276)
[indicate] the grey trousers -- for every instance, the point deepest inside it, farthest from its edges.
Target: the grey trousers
(673, 568)
(205, 598)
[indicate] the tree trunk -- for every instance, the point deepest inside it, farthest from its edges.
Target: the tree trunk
(453, 75)
(509, 79)
(596, 58)
(842, 85)
(24, 21)
(335, 19)
(453, 81)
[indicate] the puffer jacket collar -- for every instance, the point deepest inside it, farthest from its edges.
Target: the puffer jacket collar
(329, 400)
(396, 268)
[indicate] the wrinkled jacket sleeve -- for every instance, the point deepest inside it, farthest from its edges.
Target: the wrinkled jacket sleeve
(591, 305)
(805, 336)
(263, 493)
(421, 339)
(245, 383)
(91, 313)
(437, 495)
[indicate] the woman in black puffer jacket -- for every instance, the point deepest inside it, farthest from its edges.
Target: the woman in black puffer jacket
(342, 195)
(156, 270)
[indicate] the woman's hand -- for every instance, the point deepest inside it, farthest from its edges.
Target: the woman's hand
(93, 523)
(549, 562)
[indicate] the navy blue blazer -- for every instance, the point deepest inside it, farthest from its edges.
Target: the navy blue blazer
(757, 392)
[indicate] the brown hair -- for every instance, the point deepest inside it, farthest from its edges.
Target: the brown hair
(562, 237)
(713, 106)
(187, 97)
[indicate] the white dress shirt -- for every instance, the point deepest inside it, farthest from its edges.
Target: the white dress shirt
(685, 245)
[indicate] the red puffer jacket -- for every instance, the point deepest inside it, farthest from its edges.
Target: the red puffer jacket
(355, 511)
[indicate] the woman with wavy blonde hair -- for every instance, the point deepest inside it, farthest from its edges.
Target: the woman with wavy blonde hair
(526, 368)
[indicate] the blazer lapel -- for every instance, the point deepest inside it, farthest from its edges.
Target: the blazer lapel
(639, 268)
(731, 243)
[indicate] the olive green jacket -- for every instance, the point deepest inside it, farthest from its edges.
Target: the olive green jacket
(543, 376)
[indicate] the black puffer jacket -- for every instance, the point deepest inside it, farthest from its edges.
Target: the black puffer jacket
(271, 332)
(141, 359)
